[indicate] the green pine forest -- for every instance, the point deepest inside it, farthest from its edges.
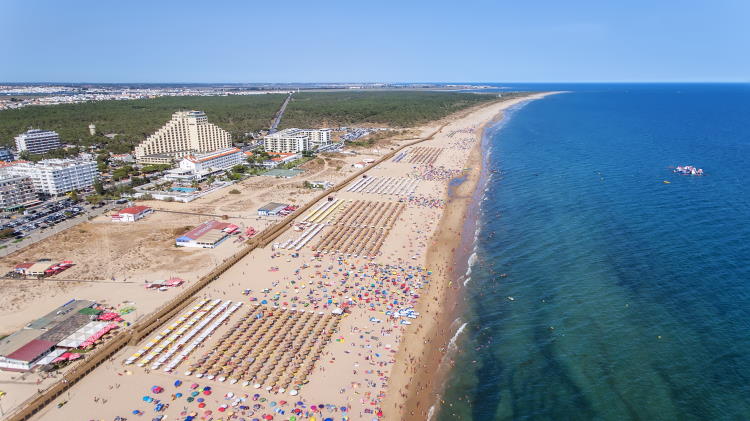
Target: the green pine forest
(134, 120)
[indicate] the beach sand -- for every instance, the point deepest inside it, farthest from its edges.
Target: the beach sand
(364, 367)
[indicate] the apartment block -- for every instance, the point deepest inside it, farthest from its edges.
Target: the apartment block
(38, 141)
(297, 140)
(16, 192)
(55, 176)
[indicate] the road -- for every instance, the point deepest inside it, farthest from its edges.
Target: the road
(38, 235)
(280, 114)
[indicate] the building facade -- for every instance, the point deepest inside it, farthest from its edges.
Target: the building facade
(199, 166)
(38, 141)
(17, 192)
(6, 155)
(297, 140)
(222, 159)
(186, 132)
(55, 176)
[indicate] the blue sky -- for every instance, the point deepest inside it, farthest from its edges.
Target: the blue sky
(388, 41)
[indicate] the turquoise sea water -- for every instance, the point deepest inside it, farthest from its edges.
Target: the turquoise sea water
(624, 298)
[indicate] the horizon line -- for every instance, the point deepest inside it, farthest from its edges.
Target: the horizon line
(387, 83)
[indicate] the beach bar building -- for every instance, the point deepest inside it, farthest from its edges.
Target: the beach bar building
(271, 209)
(39, 342)
(206, 235)
(132, 214)
(22, 350)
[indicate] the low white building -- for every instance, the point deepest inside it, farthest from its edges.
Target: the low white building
(132, 214)
(197, 166)
(55, 176)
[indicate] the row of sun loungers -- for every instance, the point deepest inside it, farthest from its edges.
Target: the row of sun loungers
(400, 156)
(361, 229)
(325, 211)
(303, 239)
(384, 185)
(424, 155)
(156, 344)
(186, 350)
(272, 347)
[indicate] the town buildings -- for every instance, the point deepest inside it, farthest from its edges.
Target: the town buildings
(17, 192)
(38, 141)
(186, 133)
(297, 140)
(54, 176)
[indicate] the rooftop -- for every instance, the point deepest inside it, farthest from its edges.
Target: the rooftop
(31, 351)
(18, 339)
(60, 313)
(205, 228)
(134, 210)
(271, 206)
(213, 155)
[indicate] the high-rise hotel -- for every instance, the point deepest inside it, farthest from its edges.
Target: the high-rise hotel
(38, 141)
(187, 132)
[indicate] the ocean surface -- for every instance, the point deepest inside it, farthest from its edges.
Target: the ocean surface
(599, 292)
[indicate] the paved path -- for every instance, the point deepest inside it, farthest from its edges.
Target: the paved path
(280, 114)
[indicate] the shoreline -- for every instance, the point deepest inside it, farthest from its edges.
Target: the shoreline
(450, 263)
(413, 363)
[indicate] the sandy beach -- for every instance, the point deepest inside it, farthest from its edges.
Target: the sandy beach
(346, 315)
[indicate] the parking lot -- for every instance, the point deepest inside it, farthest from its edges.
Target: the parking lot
(45, 220)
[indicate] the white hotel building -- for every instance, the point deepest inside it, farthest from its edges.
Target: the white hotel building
(55, 176)
(297, 140)
(38, 141)
(187, 132)
(198, 166)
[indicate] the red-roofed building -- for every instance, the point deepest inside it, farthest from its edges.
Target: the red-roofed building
(25, 357)
(206, 235)
(23, 267)
(131, 214)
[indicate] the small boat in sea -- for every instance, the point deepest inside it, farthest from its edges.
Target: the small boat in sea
(688, 170)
